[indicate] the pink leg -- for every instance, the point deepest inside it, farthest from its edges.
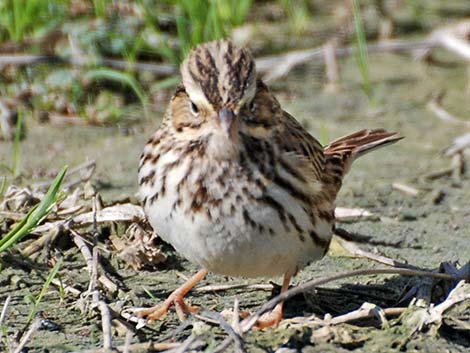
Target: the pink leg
(176, 299)
(273, 318)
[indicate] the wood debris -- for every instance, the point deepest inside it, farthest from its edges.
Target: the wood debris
(138, 249)
(343, 214)
(435, 106)
(454, 37)
(405, 189)
(459, 144)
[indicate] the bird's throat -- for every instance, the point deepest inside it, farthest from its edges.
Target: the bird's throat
(223, 147)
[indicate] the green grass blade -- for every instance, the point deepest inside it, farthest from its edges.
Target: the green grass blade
(297, 13)
(183, 35)
(44, 289)
(99, 7)
(35, 215)
(361, 52)
(21, 18)
(16, 233)
(3, 187)
(149, 294)
(240, 10)
(17, 28)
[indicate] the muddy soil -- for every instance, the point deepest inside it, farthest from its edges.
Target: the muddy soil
(413, 229)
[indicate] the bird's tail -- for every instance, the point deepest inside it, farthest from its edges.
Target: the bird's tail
(342, 152)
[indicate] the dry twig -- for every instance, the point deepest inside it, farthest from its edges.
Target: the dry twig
(84, 170)
(66, 288)
(365, 311)
(273, 67)
(454, 38)
(236, 316)
(4, 313)
(435, 106)
(141, 347)
(428, 316)
(117, 213)
(106, 325)
(237, 338)
(250, 321)
(31, 59)
(459, 145)
(224, 287)
(343, 214)
(355, 250)
(332, 67)
(438, 174)
(185, 346)
(47, 238)
(277, 66)
(86, 253)
(32, 329)
(406, 189)
(127, 344)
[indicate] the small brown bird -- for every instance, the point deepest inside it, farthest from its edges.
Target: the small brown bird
(235, 183)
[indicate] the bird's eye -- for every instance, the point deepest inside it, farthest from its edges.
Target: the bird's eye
(194, 108)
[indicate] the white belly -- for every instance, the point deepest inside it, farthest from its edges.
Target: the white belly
(237, 237)
(234, 248)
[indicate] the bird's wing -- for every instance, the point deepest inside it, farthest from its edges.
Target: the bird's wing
(301, 149)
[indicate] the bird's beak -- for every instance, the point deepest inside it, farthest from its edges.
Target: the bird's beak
(226, 118)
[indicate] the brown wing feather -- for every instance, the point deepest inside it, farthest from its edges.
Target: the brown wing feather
(342, 152)
(362, 142)
(301, 154)
(296, 142)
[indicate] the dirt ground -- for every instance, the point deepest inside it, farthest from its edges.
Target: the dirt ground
(421, 230)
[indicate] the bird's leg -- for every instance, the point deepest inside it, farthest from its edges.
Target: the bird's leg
(176, 299)
(274, 317)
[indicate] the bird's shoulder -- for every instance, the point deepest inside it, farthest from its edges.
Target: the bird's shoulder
(294, 142)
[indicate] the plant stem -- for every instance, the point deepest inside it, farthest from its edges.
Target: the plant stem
(361, 53)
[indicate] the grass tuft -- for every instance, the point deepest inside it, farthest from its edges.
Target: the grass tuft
(20, 18)
(124, 78)
(99, 7)
(35, 215)
(206, 20)
(298, 14)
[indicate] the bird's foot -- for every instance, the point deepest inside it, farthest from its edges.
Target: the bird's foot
(271, 319)
(175, 299)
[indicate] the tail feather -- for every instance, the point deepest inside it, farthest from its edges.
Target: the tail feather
(342, 152)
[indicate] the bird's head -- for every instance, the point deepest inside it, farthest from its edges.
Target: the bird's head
(219, 79)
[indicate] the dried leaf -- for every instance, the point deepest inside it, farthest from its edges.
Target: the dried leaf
(138, 249)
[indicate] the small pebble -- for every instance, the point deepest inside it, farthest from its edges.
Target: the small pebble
(17, 281)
